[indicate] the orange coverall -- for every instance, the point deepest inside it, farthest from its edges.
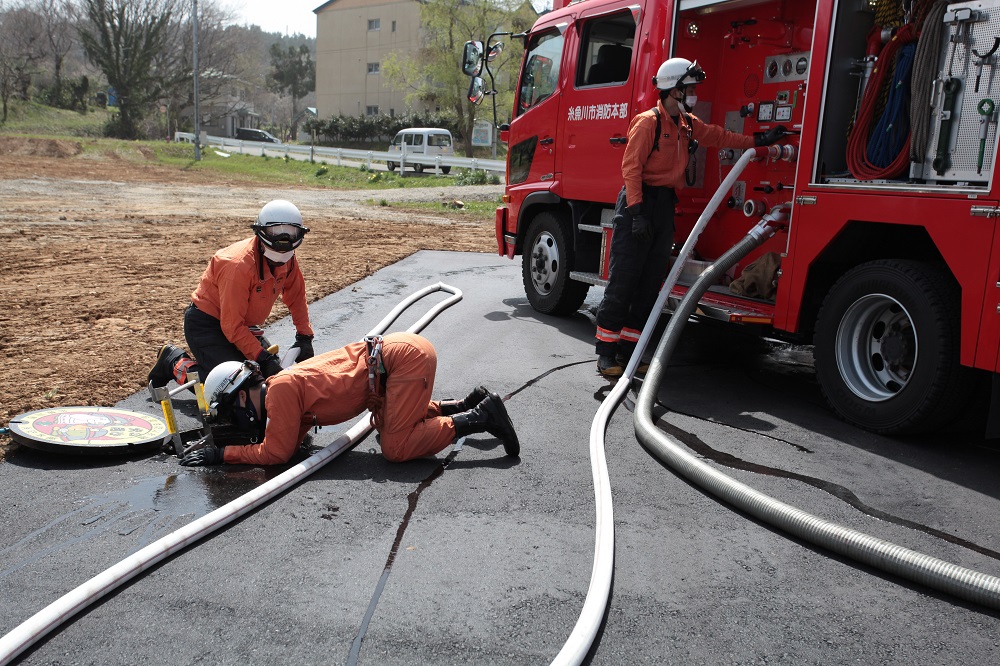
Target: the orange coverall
(333, 388)
(239, 289)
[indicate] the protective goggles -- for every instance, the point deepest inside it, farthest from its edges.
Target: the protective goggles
(281, 237)
(693, 74)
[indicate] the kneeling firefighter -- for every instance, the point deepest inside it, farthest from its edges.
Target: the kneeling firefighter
(235, 296)
(660, 144)
(393, 376)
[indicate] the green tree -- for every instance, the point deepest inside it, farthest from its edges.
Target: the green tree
(127, 41)
(293, 71)
(434, 77)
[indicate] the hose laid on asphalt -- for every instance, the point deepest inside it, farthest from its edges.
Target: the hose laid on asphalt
(575, 650)
(929, 571)
(50, 617)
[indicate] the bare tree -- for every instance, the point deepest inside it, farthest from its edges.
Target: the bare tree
(59, 19)
(22, 46)
(128, 40)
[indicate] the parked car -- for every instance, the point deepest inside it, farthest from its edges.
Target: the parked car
(421, 143)
(250, 134)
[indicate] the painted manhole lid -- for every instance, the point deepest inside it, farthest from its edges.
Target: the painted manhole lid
(89, 430)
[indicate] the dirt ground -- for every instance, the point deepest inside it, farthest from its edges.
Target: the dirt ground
(99, 255)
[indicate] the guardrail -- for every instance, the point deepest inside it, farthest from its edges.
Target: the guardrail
(340, 155)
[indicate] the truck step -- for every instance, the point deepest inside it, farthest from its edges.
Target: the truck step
(717, 303)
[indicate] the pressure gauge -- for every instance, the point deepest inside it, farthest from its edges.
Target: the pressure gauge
(765, 112)
(801, 65)
(772, 69)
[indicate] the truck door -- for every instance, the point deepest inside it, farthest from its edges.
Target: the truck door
(532, 158)
(595, 118)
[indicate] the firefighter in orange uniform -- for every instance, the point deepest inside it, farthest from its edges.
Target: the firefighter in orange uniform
(660, 142)
(235, 296)
(393, 376)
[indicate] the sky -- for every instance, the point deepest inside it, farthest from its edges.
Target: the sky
(290, 16)
(286, 16)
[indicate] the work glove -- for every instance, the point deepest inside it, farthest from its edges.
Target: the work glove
(269, 363)
(772, 135)
(206, 455)
(642, 227)
(304, 343)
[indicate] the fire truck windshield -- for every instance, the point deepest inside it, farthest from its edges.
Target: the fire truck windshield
(540, 77)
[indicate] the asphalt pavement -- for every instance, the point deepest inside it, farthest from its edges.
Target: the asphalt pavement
(475, 558)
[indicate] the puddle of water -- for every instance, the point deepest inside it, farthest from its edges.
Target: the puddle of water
(152, 507)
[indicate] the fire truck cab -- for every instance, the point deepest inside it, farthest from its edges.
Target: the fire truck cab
(890, 258)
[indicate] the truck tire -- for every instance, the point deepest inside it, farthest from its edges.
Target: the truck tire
(887, 348)
(391, 166)
(546, 262)
(446, 170)
(418, 167)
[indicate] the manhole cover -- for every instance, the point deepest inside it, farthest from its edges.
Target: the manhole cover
(89, 430)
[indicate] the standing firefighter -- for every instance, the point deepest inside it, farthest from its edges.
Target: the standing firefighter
(660, 142)
(235, 296)
(391, 376)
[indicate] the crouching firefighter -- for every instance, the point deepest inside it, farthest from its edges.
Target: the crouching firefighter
(234, 297)
(392, 376)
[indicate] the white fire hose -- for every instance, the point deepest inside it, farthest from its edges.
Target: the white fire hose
(50, 617)
(575, 650)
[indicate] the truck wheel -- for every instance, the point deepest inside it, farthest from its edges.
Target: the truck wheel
(887, 348)
(545, 265)
(419, 168)
(446, 170)
(391, 166)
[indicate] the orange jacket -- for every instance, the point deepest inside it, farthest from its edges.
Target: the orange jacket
(333, 388)
(665, 167)
(239, 289)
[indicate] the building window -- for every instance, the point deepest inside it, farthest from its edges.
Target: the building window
(373, 68)
(394, 26)
(374, 24)
(371, 110)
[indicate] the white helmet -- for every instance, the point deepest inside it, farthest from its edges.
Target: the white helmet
(226, 379)
(279, 227)
(677, 73)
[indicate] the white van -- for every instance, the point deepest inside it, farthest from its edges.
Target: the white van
(421, 143)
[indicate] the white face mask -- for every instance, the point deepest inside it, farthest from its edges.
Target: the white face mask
(690, 101)
(278, 257)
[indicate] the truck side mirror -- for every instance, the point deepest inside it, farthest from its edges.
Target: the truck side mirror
(472, 58)
(477, 90)
(495, 51)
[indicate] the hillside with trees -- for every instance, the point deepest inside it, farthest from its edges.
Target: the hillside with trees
(137, 56)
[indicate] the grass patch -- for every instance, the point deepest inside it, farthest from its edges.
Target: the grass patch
(32, 118)
(477, 211)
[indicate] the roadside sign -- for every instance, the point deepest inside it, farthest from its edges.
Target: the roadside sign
(482, 133)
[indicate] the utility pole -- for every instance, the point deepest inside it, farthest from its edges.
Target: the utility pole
(194, 66)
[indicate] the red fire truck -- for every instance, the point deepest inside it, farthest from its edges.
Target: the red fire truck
(890, 260)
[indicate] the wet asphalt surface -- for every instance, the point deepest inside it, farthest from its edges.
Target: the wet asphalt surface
(474, 558)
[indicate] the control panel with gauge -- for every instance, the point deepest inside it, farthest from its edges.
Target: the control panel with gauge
(787, 67)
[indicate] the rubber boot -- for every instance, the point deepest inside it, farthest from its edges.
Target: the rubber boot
(490, 416)
(450, 407)
(171, 363)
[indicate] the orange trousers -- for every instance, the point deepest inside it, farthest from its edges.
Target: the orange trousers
(411, 426)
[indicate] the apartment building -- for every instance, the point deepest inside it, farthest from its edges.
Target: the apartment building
(353, 38)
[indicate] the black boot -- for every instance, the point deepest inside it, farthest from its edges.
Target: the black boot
(489, 416)
(450, 407)
(163, 370)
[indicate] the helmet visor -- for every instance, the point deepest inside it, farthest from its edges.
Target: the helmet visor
(281, 237)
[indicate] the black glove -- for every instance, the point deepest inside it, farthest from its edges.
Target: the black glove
(642, 228)
(305, 346)
(269, 363)
(772, 135)
(206, 455)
